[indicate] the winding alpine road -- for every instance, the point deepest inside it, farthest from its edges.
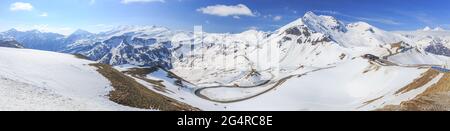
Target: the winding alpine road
(198, 91)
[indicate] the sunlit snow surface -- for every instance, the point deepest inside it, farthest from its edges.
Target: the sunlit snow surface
(40, 80)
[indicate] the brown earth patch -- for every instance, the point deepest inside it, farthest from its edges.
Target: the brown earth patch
(435, 98)
(129, 92)
(396, 45)
(141, 73)
(370, 101)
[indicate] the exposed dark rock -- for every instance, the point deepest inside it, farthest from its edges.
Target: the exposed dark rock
(438, 49)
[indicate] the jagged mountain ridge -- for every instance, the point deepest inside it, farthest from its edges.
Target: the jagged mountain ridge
(154, 45)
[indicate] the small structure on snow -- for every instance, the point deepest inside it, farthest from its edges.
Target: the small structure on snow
(371, 57)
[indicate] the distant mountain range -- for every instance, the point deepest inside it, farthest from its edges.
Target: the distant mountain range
(313, 63)
(154, 45)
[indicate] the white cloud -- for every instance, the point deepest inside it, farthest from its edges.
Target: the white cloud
(236, 17)
(45, 14)
(277, 18)
(227, 10)
(140, 1)
(21, 6)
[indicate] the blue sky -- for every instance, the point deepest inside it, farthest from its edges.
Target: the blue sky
(65, 16)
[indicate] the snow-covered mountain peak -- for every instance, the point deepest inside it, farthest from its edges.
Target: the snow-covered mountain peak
(309, 14)
(293, 24)
(136, 28)
(146, 32)
(79, 35)
(362, 26)
(362, 34)
(81, 32)
(427, 28)
(322, 23)
(12, 30)
(252, 33)
(317, 23)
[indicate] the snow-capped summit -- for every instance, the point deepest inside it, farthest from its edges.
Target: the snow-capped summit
(12, 30)
(321, 23)
(81, 32)
(362, 26)
(427, 28)
(358, 34)
(435, 41)
(438, 29)
(317, 23)
(298, 22)
(79, 37)
(136, 31)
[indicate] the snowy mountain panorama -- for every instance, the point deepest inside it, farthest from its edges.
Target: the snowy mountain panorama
(316, 62)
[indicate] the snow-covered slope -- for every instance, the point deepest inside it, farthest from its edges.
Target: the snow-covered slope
(343, 87)
(41, 80)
